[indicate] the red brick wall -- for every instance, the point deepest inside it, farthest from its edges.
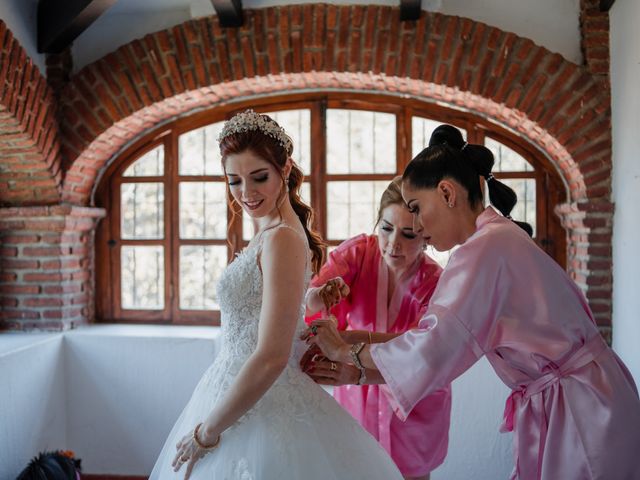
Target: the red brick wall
(562, 108)
(594, 26)
(46, 261)
(29, 142)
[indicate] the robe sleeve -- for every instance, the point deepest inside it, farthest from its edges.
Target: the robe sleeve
(429, 277)
(346, 262)
(451, 335)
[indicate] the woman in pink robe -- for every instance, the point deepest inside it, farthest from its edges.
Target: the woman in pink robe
(390, 281)
(574, 408)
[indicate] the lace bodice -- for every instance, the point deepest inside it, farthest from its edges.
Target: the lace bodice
(240, 296)
(295, 430)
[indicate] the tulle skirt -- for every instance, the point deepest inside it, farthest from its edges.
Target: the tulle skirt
(296, 431)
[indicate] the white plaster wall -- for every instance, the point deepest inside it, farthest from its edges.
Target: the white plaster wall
(476, 448)
(112, 393)
(117, 27)
(625, 104)
(20, 16)
(32, 399)
(553, 24)
(126, 386)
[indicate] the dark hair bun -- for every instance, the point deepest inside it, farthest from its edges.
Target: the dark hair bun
(447, 135)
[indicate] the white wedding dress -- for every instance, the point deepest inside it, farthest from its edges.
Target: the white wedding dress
(296, 431)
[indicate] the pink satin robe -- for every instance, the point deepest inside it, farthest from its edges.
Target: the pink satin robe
(419, 444)
(574, 410)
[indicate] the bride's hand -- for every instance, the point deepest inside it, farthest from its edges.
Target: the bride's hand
(325, 335)
(187, 452)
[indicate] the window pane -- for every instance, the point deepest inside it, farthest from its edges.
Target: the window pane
(525, 209)
(200, 270)
(297, 124)
(199, 153)
(142, 210)
(151, 164)
(142, 277)
(203, 210)
(506, 160)
(352, 207)
(421, 130)
(360, 142)
(247, 224)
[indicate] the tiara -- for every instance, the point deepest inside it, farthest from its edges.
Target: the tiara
(250, 120)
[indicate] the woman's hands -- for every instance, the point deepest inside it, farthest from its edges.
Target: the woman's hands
(188, 451)
(332, 292)
(327, 372)
(325, 336)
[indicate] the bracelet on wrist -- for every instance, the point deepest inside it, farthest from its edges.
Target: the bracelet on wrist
(202, 445)
(354, 352)
(363, 377)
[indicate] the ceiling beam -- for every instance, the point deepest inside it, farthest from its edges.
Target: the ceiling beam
(61, 21)
(229, 12)
(605, 5)
(410, 10)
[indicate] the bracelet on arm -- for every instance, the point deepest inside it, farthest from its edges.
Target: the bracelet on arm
(355, 356)
(363, 377)
(354, 352)
(202, 445)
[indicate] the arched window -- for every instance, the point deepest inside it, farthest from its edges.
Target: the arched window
(169, 232)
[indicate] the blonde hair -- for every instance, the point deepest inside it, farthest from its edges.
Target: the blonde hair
(391, 196)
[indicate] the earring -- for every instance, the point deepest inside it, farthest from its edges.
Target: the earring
(450, 205)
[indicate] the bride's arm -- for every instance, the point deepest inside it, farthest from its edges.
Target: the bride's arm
(283, 270)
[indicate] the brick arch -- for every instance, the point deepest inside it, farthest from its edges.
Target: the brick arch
(554, 104)
(29, 142)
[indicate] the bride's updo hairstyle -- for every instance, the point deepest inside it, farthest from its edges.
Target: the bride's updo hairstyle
(263, 136)
(449, 156)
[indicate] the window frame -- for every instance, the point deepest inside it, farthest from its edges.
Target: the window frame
(550, 189)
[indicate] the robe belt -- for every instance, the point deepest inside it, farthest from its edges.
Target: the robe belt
(528, 394)
(581, 357)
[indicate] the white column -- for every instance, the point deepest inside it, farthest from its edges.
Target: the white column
(625, 90)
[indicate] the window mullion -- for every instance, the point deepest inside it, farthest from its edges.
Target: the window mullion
(319, 165)
(172, 229)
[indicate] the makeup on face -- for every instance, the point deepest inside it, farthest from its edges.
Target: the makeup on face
(429, 216)
(399, 245)
(254, 183)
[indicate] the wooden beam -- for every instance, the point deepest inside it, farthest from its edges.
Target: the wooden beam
(605, 5)
(229, 12)
(61, 21)
(410, 10)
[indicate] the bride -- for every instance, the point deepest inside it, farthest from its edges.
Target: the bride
(255, 415)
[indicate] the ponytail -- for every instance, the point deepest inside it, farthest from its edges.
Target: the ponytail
(306, 216)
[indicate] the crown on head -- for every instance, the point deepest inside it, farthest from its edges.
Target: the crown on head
(250, 120)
